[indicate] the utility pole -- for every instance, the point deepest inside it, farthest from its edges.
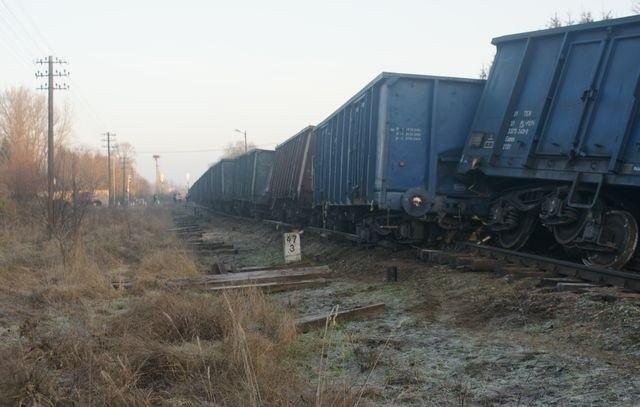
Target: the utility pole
(50, 87)
(124, 178)
(109, 138)
(74, 181)
(129, 189)
(158, 180)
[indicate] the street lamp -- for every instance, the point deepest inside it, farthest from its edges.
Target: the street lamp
(245, 138)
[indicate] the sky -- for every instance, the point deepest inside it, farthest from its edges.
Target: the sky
(177, 78)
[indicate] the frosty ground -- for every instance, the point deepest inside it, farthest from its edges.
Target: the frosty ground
(446, 337)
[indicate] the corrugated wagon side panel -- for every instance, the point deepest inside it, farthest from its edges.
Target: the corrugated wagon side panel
(409, 119)
(240, 175)
(377, 146)
(262, 166)
(215, 183)
(453, 112)
(564, 101)
(342, 154)
(290, 162)
(227, 178)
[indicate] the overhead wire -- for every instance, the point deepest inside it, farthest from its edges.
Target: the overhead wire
(35, 27)
(19, 51)
(75, 88)
(44, 47)
(18, 22)
(26, 43)
(206, 150)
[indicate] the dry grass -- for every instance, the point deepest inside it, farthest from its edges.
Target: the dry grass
(167, 348)
(74, 340)
(157, 266)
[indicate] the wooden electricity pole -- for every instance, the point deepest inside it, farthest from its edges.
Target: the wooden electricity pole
(50, 87)
(158, 180)
(109, 139)
(124, 179)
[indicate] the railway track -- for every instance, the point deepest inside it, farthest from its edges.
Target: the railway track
(489, 258)
(597, 275)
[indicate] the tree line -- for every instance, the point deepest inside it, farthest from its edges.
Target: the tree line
(79, 171)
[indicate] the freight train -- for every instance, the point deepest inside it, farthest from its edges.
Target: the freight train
(550, 142)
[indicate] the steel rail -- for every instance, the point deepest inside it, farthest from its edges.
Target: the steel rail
(598, 275)
(319, 231)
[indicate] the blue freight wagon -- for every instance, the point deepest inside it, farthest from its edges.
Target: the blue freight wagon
(561, 110)
(252, 172)
(222, 184)
(215, 187)
(291, 185)
(392, 151)
(200, 191)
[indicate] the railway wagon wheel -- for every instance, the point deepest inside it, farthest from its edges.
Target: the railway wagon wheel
(620, 234)
(567, 233)
(516, 238)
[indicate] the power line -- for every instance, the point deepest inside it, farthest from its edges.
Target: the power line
(209, 150)
(17, 20)
(180, 151)
(20, 31)
(17, 57)
(76, 90)
(19, 50)
(35, 27)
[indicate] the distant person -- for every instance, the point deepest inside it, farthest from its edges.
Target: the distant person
(156, 200)
(175, 199)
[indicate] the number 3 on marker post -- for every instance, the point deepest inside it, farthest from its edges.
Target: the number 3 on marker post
(292, 250)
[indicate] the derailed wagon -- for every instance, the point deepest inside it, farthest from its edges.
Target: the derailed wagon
(291, 185)
(559, 124)
(200, 191)
(215, 187)
(221, 191)
(385, 162)
(252, 172)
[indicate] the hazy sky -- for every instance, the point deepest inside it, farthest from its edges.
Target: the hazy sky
(176, 78)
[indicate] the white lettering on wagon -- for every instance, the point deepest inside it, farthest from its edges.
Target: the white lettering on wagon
(406, 134)
(520, 125)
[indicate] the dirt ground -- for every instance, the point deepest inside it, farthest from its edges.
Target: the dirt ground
(446, 337)
(449, 337)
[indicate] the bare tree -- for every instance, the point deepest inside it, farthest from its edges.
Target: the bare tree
(586, 17)
(23, 133)
(124, 161)
(485, 69)
(76, 179)
(569, 20)
(607, 15)
(234, 149)
(554, 21)
(80, 172)
(484, 72)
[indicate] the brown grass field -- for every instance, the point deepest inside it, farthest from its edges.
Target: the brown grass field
(69, 338)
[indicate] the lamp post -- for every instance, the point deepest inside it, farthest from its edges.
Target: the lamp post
(245, 138)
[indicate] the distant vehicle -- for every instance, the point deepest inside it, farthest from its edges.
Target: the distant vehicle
(88, 198)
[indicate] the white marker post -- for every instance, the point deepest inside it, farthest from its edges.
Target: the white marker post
(292, 251)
